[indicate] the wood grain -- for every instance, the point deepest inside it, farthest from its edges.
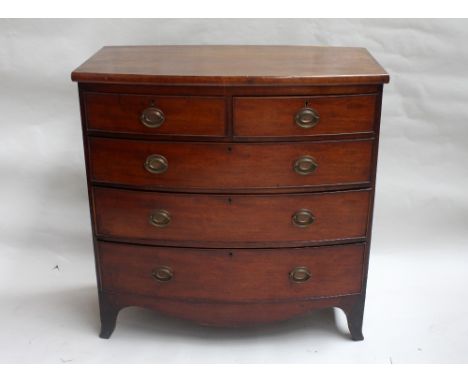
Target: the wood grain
(184, 115)
(230, 220)
(230, 139)
(240, 275)
(229, 167)
(274, 116)
(235, 90)
(231, 65)
(220, 313)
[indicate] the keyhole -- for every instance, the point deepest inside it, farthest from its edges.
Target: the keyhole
(229, 200)
(229, 148)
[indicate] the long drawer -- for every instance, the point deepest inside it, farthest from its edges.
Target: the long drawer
(238, 275)
(235, 166)
(215, 220)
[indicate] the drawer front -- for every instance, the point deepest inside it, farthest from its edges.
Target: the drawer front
(303, 116)
(156, 115)
(237, 275)
(230, 220)
(223, 166)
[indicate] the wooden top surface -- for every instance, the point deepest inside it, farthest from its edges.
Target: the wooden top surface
(231, 65)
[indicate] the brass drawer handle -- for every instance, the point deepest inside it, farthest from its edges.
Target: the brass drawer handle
(152, 117)
(305, 165)
(163, 273)
(300, 274)
(303, 218)
(160, 218)
(156, 164)
(306, 118)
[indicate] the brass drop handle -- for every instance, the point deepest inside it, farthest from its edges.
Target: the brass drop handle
(306, 118)
(163, 273)
(300, 274)
(303, 218)
(160, 218)
(152, 117)
(305, 165)
(156, 164)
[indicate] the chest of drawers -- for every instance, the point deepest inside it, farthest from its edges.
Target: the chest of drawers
(231, 185)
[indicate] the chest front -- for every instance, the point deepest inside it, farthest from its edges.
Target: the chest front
(231, 185)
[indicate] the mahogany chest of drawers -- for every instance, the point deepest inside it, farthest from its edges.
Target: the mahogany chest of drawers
(231, 185)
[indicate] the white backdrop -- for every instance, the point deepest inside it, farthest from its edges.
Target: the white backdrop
(418, 282)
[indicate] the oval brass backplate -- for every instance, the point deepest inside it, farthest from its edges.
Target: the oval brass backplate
(160, 218)
(152, 117)
(300, 274)
(306, 118)
(305, 165)
(303, 218)
(163, 273)
(156, 164)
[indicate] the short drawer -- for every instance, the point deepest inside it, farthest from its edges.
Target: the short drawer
(224, 166)
(213, 220)
(303, 116)
(237, 275)
(155, 115)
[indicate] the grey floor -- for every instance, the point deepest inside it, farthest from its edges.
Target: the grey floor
(416, 312)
